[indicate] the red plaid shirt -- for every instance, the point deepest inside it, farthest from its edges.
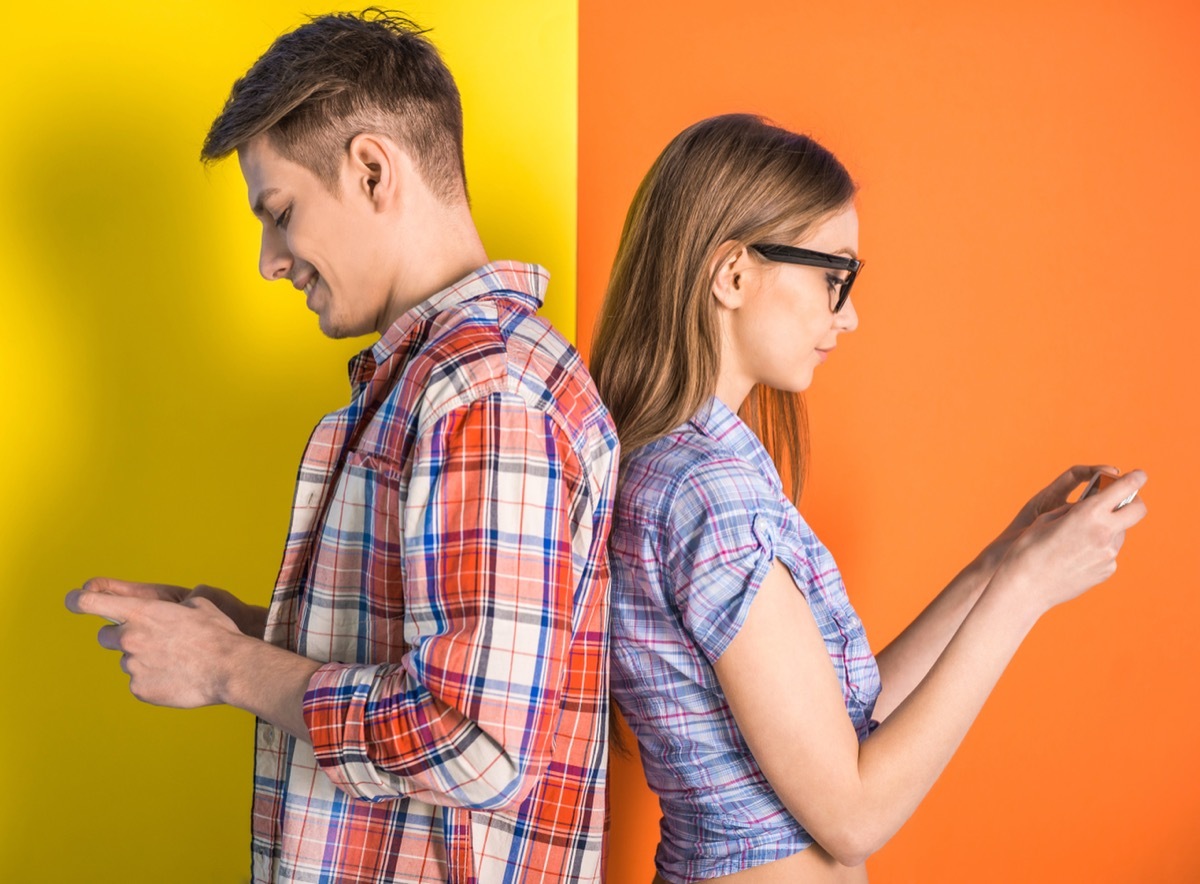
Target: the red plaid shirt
(446, 559)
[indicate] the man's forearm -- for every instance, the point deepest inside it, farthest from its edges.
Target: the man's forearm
(267, 681)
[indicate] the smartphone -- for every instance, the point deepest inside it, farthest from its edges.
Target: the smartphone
(1099, 482)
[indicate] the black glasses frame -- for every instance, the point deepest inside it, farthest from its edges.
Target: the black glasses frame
(809, 258)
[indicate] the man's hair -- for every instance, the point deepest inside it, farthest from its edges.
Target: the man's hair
(340, 75)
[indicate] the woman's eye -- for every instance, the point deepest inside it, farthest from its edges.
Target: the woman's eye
(835, 282)
(282, 220)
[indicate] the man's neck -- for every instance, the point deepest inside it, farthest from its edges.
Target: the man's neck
(450, 248)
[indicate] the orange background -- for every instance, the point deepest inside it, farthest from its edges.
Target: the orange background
(1029, 189)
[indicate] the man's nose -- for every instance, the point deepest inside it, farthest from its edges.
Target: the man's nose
(274, 259)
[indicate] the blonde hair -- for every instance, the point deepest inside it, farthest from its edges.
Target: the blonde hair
(725, 181)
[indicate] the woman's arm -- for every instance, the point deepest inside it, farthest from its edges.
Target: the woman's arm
(908, 657)
(782, 690)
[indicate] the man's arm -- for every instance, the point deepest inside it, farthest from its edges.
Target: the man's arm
(468, 717)
(190, 653)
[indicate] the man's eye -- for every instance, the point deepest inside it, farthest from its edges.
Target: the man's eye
(282, 219)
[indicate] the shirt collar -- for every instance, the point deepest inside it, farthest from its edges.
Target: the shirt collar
(516, 280)
(717, 421)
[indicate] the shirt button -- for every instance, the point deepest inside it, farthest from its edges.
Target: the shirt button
(761, 528)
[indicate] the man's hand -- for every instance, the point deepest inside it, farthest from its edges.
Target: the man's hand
(174, 648)
(197, 647)
(251, 620)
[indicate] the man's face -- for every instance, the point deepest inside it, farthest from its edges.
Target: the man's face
(328, 246)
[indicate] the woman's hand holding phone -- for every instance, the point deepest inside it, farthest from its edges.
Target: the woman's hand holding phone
(1068, 550)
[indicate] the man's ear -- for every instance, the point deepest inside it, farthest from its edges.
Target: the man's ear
(378, 168)
(729, 274)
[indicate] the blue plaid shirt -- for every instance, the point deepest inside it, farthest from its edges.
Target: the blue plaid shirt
(701, 516)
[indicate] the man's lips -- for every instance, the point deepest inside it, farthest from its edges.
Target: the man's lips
(306, 284)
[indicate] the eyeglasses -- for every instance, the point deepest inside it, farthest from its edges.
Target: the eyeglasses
(809, 258)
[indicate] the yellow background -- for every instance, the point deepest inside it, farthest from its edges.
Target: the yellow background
(157, 393)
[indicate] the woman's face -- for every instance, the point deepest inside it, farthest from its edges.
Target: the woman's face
(778, 319)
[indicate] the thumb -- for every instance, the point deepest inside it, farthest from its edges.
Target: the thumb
(1055, 514)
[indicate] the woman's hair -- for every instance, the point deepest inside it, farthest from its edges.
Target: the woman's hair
(725, 181)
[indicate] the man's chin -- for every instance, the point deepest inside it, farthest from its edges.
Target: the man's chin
(332, 328)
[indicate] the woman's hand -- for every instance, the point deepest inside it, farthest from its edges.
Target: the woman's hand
(1045, 501)
(1067, 550)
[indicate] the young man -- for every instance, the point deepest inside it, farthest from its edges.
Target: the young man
(431, 676)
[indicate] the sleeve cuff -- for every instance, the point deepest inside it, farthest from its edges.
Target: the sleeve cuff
(335, 707)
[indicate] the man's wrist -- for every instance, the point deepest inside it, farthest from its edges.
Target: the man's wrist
(232, 668)
(265, 680)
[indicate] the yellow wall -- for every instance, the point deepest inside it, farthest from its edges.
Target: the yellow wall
(157, 394)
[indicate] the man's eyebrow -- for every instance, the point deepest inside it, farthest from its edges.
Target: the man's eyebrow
(257, 208)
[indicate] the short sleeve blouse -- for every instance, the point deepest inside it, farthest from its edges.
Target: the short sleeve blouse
(701, 516)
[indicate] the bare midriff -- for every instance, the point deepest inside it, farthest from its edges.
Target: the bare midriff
(810, 866)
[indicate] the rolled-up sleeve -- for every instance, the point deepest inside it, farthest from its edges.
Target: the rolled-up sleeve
(719, 544)
(467, 716)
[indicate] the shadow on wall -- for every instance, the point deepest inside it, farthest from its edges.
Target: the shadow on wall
(119, 397)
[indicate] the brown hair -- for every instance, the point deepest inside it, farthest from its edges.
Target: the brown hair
(339, 75)
(729, 179)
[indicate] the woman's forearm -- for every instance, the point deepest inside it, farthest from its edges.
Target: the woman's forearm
(909, 656)
(901, 760)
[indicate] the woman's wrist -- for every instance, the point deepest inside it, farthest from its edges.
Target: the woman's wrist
(1015, 588)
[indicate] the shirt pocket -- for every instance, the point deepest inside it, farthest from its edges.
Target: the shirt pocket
(355, 599)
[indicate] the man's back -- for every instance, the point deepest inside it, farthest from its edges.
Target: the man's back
(447, 552)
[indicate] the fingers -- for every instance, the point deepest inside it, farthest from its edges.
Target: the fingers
(133, 589)
(1054, 514)
(116, 608)
(1120, 490)
(109, 637)
(1061, 487)
(1130, 514)
(200, 603)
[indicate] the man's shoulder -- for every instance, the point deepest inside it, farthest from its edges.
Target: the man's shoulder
(496, 345)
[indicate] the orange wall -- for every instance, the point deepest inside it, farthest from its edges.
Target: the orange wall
(1029, 194)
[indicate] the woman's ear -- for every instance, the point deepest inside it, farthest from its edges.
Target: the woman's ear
(377, 168)
(729, 274)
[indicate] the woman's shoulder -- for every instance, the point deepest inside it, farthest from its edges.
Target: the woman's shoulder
(686, 472)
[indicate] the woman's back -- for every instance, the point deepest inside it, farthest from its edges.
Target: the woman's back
(701, 518)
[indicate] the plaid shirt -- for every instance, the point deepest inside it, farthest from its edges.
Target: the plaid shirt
(446, 559)
(700, 518)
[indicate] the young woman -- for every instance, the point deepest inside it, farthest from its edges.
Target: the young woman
(780, 747)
